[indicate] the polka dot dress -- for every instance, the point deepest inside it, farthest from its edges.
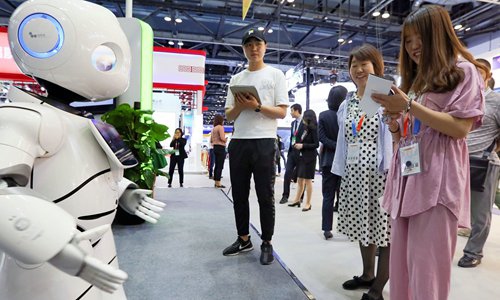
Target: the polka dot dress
(360, 216)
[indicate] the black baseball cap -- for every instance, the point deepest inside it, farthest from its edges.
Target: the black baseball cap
(253, 33)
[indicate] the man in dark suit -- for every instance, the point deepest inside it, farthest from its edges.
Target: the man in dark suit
(327, 129)
(292, 158)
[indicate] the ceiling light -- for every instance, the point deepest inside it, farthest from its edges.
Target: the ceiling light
(171, 43)
(467, 29)
(290, 1)
(316, 56)
(180, 43)
(349, 42)
(178, 20)
(458, 26)
(167, 18)
(341, 40)
(325, 18)
(260, 28)
(386, 15)
(376, 13)
(270, 30)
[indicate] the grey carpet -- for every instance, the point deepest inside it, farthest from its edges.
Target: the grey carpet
(181, 256)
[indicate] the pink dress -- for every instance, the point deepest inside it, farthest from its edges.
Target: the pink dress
(444, 178)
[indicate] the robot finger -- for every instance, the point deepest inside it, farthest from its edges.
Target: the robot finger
(142, 191)
(154, 202)
(145, 217)
(151, 206)
(91, 234)
(148, 212)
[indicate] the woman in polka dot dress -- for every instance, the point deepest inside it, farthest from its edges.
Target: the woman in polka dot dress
(364, 152)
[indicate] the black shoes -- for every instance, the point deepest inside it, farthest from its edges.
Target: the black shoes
(266, 255)
(327, 234)
(368, 297)
(307, 209)
(169, 185)
(220, 186)
(240, 246)
(356, 283)
(468, 262)
(284, 200)
(294, 204)
(182, 185)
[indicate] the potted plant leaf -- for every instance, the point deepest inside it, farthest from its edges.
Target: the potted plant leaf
(142, 135)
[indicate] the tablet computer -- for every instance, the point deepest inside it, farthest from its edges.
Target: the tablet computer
(246, 89)
(375, 84)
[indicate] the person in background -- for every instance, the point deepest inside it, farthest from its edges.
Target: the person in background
(305, 147)
(253, 145)
(362, 158)
(177, 157)
(478, 141)
(427, 192)
(211, 160)
(218, 139)
(327, 130)
(279, 153)
(292, 158)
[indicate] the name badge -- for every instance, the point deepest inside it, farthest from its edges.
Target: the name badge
(353, 151)
(177, 152)
(410, 159)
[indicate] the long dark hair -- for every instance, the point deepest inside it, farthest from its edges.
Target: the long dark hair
(310, 120)
(218, 120)
(437, 70)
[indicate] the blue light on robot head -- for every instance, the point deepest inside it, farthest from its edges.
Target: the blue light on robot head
(57, 46)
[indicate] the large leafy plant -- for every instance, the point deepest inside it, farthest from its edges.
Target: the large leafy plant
(142, 135)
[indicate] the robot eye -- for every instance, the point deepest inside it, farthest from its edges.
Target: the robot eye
(103, 58)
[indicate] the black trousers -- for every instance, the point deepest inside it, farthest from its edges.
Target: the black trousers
(180, 166)
(291, 164)
(220, 155)
(247, 157)
(330, 186)
(211, 162)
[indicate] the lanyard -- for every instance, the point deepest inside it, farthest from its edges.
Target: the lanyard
(356, 129)
(407, 125)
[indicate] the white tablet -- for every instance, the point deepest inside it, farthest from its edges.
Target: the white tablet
(246, 89)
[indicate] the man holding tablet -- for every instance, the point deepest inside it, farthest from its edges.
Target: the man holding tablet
(252, 147)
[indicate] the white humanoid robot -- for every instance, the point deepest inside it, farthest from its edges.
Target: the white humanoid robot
(61, 174)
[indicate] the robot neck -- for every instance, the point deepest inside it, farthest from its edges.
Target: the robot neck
(19, 95)
(58, 93)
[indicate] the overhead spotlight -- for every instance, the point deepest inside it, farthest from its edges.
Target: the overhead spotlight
(325, 18)
(349, 42)
(376, 13)
(341, 40)
(270, 30)
(341, 20)
(290, 1)
(458, 26)
(316, 56)
(386, 15)
(180, 43)
(260, 28)
(171, 43)
(467, 29)
(167, 18)
(178, 20)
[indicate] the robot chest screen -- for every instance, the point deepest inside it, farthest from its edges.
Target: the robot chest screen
(115, 143)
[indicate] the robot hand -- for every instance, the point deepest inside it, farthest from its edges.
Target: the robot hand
(74, 261)
(135, 202)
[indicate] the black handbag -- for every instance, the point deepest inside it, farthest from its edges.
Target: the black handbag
(479, 169)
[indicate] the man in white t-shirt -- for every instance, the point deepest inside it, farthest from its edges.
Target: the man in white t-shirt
(252, 148)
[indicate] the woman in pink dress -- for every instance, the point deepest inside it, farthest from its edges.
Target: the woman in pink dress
(427, 190)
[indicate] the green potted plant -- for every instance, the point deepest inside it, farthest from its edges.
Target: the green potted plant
(142, 135)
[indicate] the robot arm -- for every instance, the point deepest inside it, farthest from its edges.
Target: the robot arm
(34, 231)
(136, 202)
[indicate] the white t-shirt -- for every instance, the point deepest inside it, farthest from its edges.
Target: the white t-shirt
(271, 86)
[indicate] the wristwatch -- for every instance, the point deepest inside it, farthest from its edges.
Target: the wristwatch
(258, 108)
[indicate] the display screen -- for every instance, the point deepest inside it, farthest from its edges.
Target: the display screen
(115, 142)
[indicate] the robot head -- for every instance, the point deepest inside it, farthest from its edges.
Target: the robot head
(71, 44)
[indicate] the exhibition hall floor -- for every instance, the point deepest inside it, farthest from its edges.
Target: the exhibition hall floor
(316, 267)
